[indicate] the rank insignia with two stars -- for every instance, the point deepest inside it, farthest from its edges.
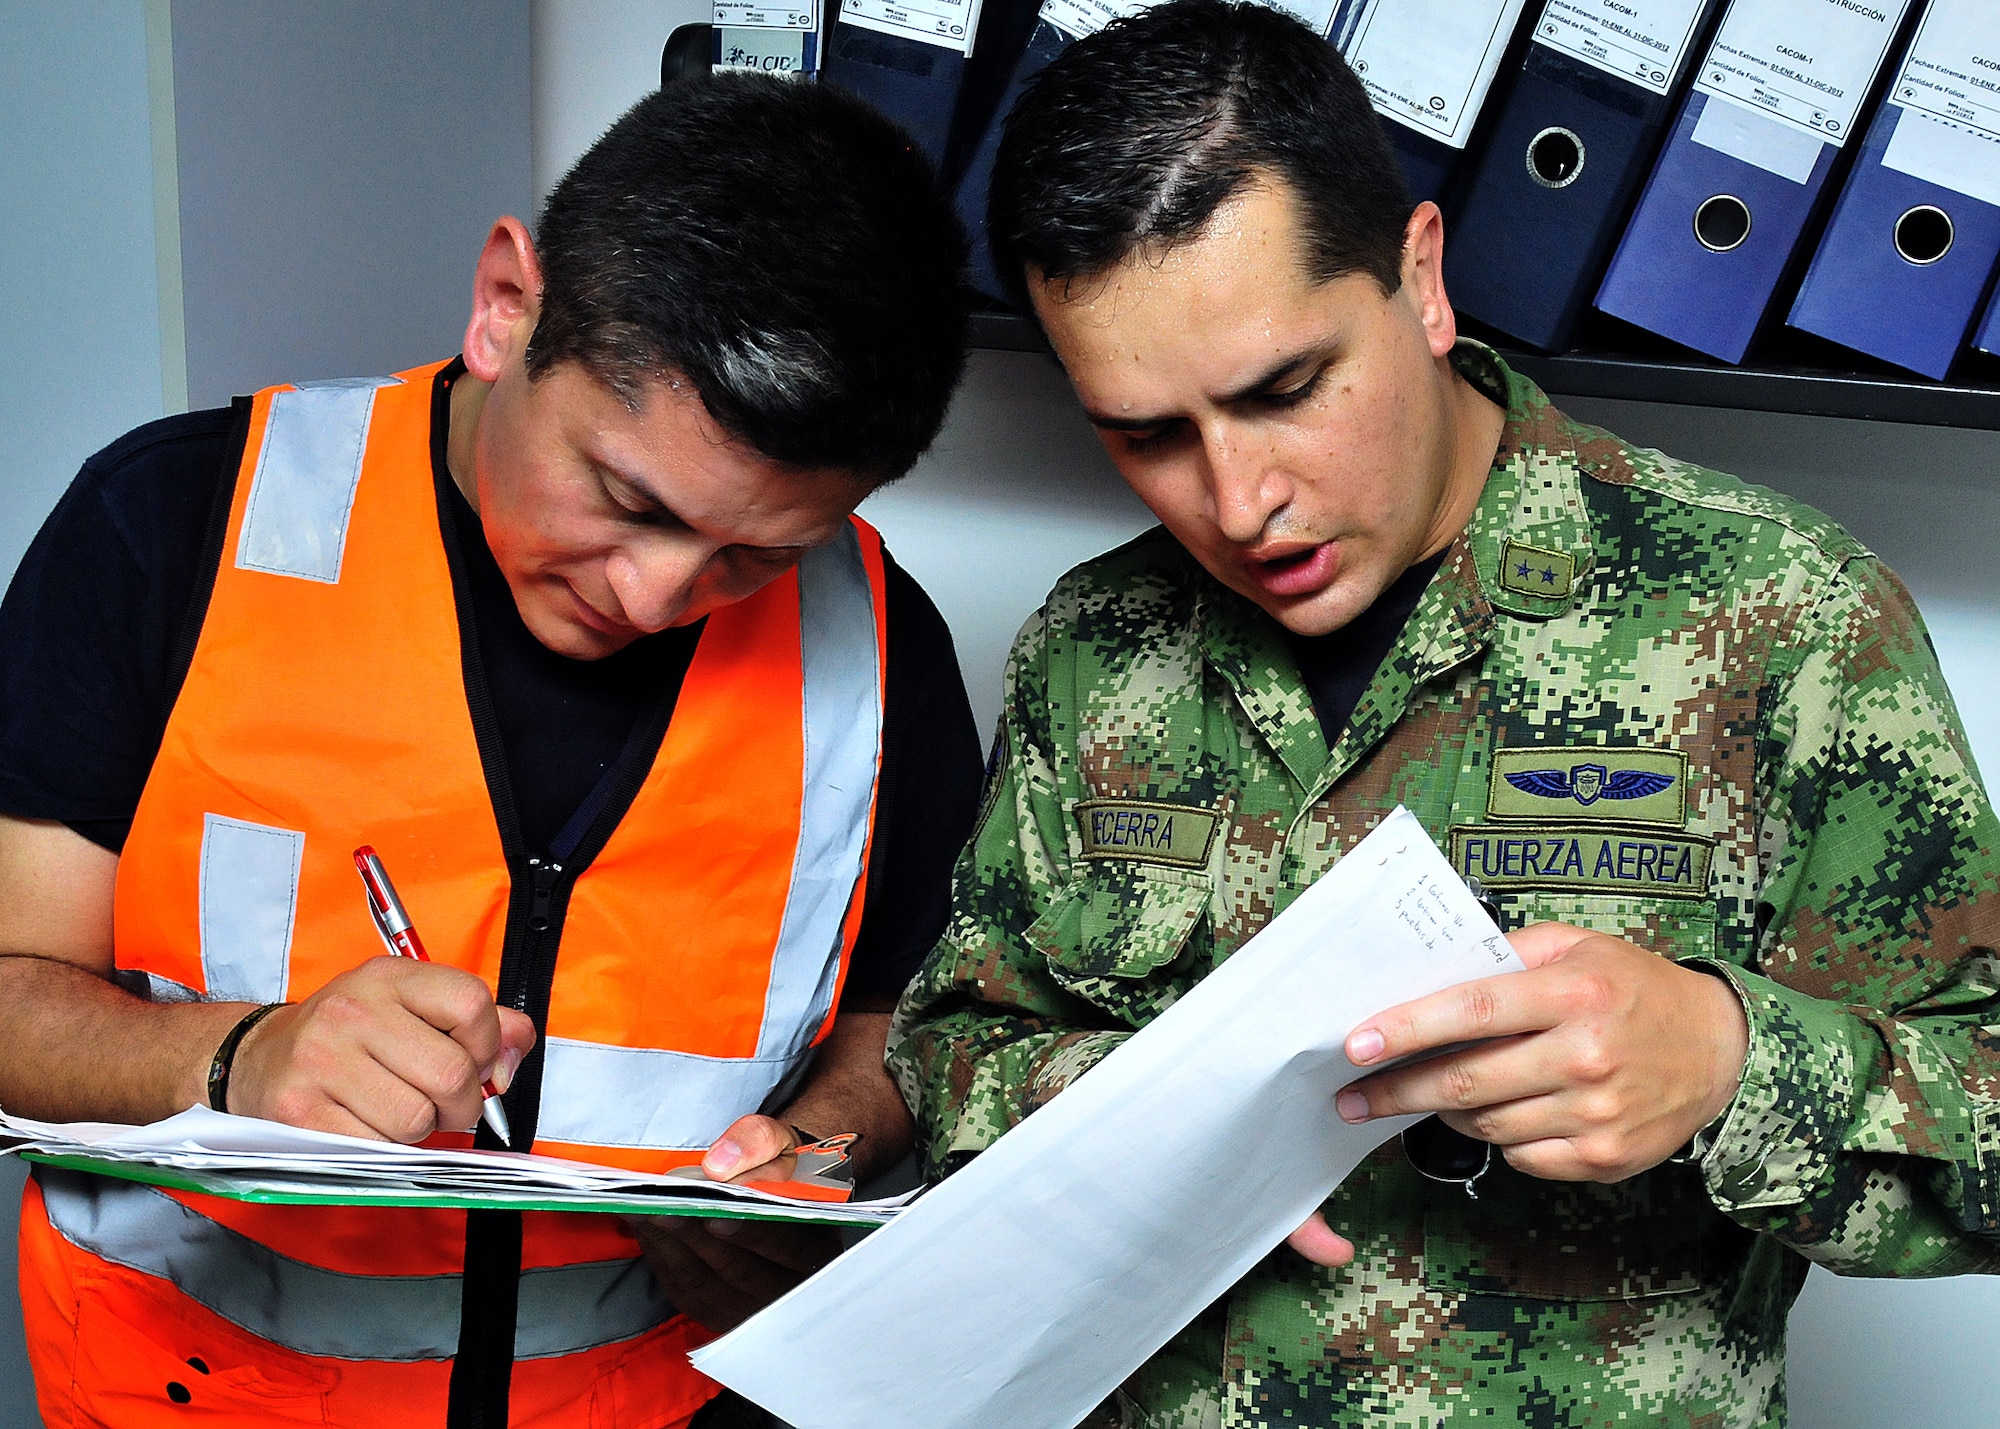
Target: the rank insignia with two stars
(1531, 570)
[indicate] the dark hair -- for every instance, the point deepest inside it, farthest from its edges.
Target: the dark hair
(1137, 134)
(782, 247)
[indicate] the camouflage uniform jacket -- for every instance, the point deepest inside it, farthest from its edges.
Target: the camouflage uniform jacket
(1637, 696)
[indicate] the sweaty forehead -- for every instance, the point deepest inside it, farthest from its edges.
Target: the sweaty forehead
(1228, 300)
(1138, 345)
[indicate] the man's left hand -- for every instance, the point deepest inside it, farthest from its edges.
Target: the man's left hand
(721, 1272)
(1599, 1062)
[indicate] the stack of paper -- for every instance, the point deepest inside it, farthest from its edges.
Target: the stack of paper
(1023, 1289)
(246, 1159)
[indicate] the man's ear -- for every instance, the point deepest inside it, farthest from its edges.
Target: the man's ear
(506, 298)
(1423, 277)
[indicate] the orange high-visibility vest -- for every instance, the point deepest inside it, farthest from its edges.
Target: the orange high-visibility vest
(701, 949)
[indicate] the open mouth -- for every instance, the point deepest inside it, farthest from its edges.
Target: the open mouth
(1297, 572)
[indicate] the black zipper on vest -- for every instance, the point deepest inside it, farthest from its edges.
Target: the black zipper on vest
(538, 905)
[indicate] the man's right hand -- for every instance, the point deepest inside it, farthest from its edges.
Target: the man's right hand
(391, 1050)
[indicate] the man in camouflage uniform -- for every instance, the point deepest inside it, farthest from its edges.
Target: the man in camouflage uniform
(1688, 733)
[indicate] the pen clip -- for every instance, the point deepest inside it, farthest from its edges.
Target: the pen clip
(383, 906)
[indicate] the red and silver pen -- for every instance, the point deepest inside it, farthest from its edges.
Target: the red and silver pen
(393, 923)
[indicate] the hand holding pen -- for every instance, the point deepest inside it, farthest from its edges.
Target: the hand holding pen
(400, 936)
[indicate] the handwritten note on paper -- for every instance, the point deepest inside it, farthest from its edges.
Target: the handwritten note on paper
(1026, 1287)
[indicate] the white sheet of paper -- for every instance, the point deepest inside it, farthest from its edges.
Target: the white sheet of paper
(1026, 1287)
(1077, 18)
(755, 15)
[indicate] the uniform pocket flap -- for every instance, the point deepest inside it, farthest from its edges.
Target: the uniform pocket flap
(1119, 921)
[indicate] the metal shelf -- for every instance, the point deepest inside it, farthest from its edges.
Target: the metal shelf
(1807, 390)
(1006, 332)
(1804, 391)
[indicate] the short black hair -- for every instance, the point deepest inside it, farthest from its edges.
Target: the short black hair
(1135, 135)
(781, 246)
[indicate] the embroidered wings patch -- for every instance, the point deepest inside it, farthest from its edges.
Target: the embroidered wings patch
(1587, 783)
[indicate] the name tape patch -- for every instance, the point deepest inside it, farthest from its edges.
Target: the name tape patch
(1631, 786)
(1587, 857)
(1149, 832)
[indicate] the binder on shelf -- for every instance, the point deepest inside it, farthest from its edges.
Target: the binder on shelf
(1429, 67)
(908, 59)
(1779, 90)
(1046, 42)
(1058, 25)
(1005, 27)
(1575, 138)
(1916, 233)
(1988, 339)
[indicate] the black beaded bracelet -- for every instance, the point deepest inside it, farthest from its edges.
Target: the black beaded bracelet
(225, 1055)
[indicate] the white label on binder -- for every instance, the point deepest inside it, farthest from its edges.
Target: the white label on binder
(1428, 63)
(1964, 160)
(1077, 18)
(1640, 40)
(1756, 138)
(737, 15)
(1953, 72)
(1948, 130)
(762, 49)
(1807, 63)
(948, 24)
(1317, 14)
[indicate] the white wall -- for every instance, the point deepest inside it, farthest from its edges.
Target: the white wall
(80, 344)
(338, 168)
(1015, 492)
(593, 59)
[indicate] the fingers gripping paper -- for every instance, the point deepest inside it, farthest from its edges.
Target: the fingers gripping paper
(1022, 1290)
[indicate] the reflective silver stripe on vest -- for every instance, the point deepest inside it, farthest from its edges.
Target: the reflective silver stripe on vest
(634, 1096)
(599, 1095)
(843, 731)
(302, 491)
(249, 902)
(563, 1311)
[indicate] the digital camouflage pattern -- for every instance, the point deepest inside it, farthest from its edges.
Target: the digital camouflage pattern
(1609, 619)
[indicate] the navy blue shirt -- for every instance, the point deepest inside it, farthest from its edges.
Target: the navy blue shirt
(1338, 666)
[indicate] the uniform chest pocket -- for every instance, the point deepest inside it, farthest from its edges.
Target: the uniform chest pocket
(1123, 936)
(1675, 928)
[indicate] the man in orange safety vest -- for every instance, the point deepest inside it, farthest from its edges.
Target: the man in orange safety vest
(668, 759)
